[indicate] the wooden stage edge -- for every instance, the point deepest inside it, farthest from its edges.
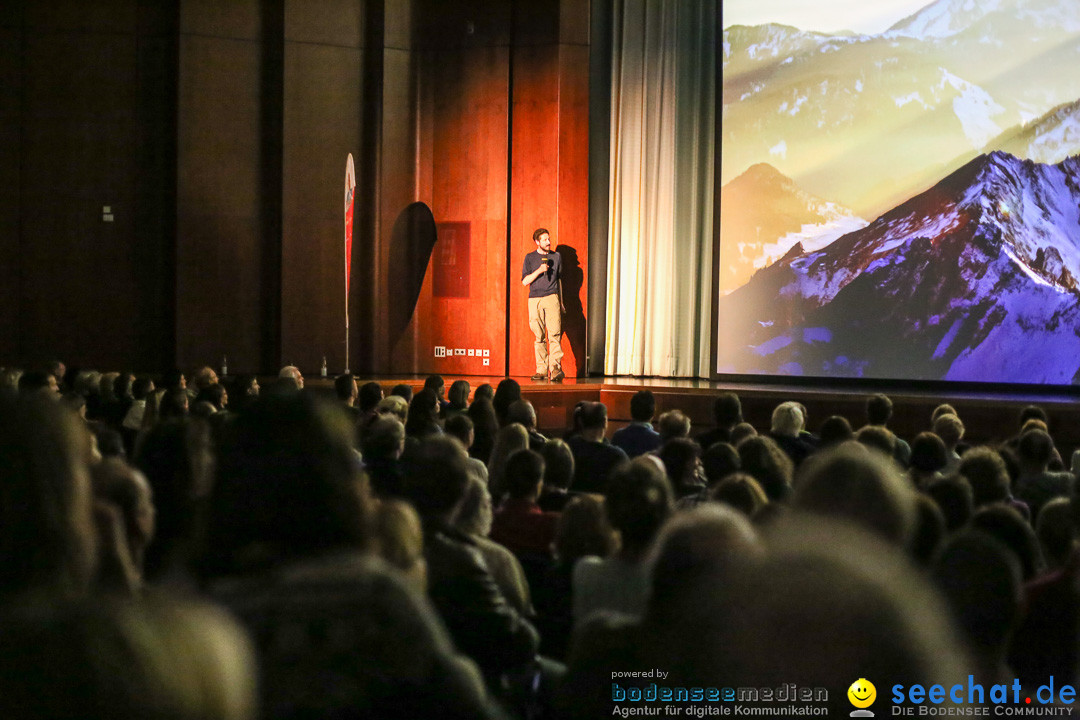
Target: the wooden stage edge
(990, 413)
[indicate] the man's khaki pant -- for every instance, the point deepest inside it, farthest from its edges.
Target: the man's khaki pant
(545, 318)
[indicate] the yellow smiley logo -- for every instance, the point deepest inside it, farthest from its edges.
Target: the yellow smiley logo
(862, 693)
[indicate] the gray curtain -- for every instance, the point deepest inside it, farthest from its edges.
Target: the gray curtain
(663, 118)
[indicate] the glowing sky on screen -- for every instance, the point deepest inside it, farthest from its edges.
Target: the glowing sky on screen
(863, 16)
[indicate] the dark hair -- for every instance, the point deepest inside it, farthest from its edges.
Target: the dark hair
(524, 473)
(538, 232)
(643, 406)
(508, 392)
(677, 454)
(928, 453)
(141, 387)
(985, 470)
(370, 395)
(719, 461)
(835, 430)
(1007, 525)
(403, 390)
(171, 379)
(174, 403)
(727, 410)
(213, 394)
(953, 495)
(740, 491)
(436, 475)
(878, 437)
(423, 418)
(288, 486)
(459, 394)
(383, 437)
(1035, 447)
(593, 416)
(1033, 411)
(523, 412)
(485, 427)
(343, 386)
(673, 424)
(434, 382)
(639, 500)
(32, 380)
(879, 409)
(763, 459)
(484, 392)
(459, 426)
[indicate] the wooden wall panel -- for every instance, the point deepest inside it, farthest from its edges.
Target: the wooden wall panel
(322, 125)
(469, 181)
(11, 84)
(220, 258)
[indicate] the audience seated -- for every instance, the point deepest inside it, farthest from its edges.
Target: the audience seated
(879, 410)
(638, 437)
(520, 524)
(788, 423)
(485, 427)
(761, 458)
(594, 457)
(508, 441)
(1037, 484)
(673, 424)
(523, 413)
(638, 501)
(727, 413)
(558, 475)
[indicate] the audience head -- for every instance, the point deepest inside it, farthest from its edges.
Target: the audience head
(719, 460)
(523, 413)
(460, 426)
(369, 395)
(290, 378)
(508, 441)
(858, 485)
(985, 470)
(204, 377)
(787, 420)
(393, 405)
(508, 393)
(484, 392)
(980, 580)
(703, 542)
(740, 432)
(1033, 412)
(345, 388)
(673, 424)
(384, 439)
(423, 417)
(437, 476)
(879, 409)
(475, 513)
(642, 406)
(173, 379)
(682, 462)
(1035, 450)
(524, 475)
(740, 491)
(215, 395)
(583, 529)
(1055, 531)
(558, 464)
(289, 486)
(1007, 525)
(955, 498)
(727, 410)
(174, 404)
(40, 382)
(639, 500)
(459, 394)
(593, 420)
(761, 458)
(403, 390)
(436, 384)
(949, 429)
(835, 430)
(878, 438)
(942, 409)
(157, 659)
(485, 427)
(47, 536)
(928, 453)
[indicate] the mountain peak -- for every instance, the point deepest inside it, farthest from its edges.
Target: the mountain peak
(944, 18)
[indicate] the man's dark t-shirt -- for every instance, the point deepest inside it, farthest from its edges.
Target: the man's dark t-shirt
(547, 283)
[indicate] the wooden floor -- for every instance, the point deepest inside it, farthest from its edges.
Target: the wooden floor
(989, 413)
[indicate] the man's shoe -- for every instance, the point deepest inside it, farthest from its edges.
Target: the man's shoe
(558, 375)
(538, 376)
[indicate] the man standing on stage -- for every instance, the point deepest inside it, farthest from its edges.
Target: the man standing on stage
(542, 271)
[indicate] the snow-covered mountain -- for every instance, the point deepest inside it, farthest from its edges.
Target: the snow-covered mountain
(975, 279)
(1049, 139)
(869, 120)
(764, 214)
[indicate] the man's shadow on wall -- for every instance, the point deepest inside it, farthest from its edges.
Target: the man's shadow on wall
(574, 317)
